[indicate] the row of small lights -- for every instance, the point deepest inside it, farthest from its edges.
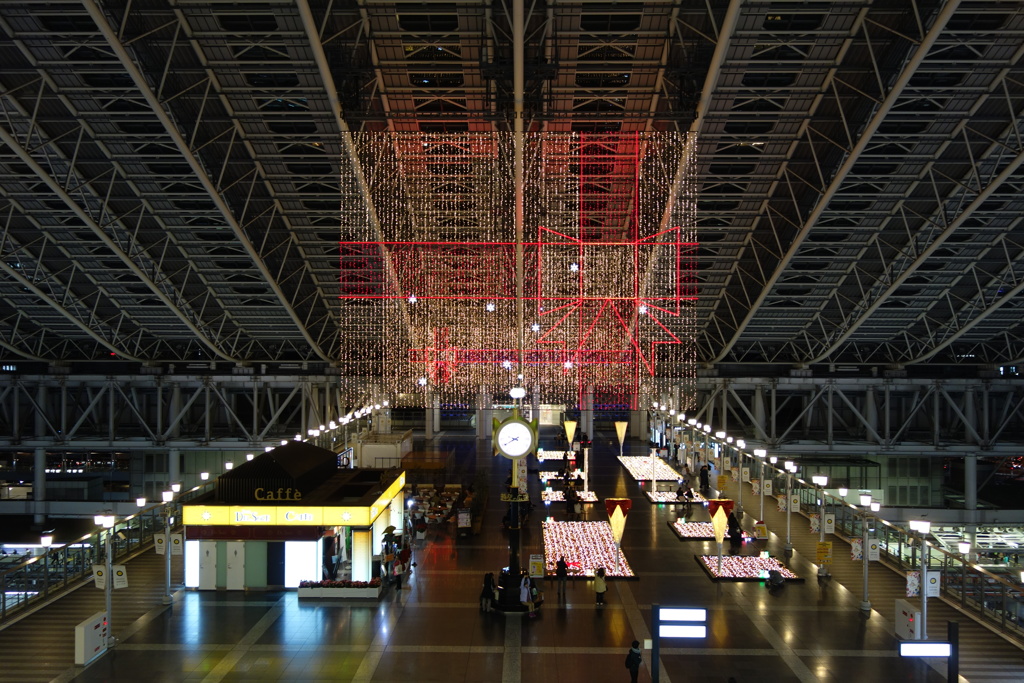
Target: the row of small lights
(789, 465)
(820, 480)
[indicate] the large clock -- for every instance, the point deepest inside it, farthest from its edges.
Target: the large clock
(514, 438)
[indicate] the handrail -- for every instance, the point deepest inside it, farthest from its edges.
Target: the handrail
(62, 568)
(986, 597)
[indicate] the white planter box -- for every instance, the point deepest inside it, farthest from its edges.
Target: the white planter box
(371, 593)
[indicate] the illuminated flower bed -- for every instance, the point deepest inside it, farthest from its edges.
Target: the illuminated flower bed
(543, 455)
(559, 496)
(670, 497)
(639, 467)
(698, 531)
(743, 568)
(585, 547)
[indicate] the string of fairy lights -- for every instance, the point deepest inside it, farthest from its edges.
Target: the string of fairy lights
(428, 278)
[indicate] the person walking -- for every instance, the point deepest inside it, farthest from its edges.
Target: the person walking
(633, 660)
(600, 585)
(487, 593)
(398, 569)
(562, 574)
(525, 594)
(705, 479)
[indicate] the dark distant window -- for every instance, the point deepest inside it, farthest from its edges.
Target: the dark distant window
(169, 168)
(108, 80)
(936, 79)
(272, 80)
(444, 127)
(68, 23)
(141, 127)
(792, 22)
(974, 22)
(310, 168)
(758, 104)
(248, 23)
(611, 23)
(438, 80)
(749, 127)
(321, 204)
(292, 127)
(596, 126)
(442, 19)
(902, 127)
(768, 79)
(261, 53)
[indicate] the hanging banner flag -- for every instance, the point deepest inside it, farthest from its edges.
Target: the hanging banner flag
(160, 543)
(830, 523)
(767, 487)
(913, 584)
(99, 576)
(815, 520)
(120, 576)
(617, 509)
(745, 473)
(874, 553)
(782, 503)
(932, 585)
(794, 502)
(755, 486)
(856, 549)
(177, 544)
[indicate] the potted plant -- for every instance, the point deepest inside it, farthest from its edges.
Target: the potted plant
(340, 589)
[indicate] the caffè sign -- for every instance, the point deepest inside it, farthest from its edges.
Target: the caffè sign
(279, 494)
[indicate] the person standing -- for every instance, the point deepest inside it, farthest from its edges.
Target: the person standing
(600, 585)
(487, 593)
(705, 479)
(397, 570)
(633, 660)
(562, 574)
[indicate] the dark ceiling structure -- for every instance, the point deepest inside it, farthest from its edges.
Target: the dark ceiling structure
(170, 170)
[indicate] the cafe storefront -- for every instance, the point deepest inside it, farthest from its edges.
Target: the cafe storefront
(287, 516)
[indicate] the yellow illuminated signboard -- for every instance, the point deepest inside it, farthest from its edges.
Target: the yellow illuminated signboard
(283, 515)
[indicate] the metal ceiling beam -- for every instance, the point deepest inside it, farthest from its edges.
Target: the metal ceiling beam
(843, 171)
(153, 101)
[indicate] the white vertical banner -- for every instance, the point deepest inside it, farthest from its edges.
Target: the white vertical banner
(874, 553)
(767, 487)
(830, 523)
(99, 575)
(932, 584)
(745, 474)
(120, 576)
(794, 502)
(160, 543)
(177, 544)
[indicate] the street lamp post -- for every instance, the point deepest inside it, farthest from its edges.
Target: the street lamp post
(865, 501)
(923, 528)
(107, 522)
(165, 512)
(761, 454)
(46, 540)
(790, 469)
(821, 480)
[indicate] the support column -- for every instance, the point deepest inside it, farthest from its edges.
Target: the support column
(759, 415)
(40, 412)
(173, 466)
(871, 415)
(588, 412)
(970, 415)
(971, 484)
(428, 418)
(174, 410)
(483, 414)
(39, 486)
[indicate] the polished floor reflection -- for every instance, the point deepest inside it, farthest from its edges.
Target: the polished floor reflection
(433, 630)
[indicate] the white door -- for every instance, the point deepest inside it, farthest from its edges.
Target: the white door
(236, 565)
(207, 565)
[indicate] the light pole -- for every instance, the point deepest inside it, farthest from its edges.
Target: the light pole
(46, 540)
(923, 528)
(790, 469)
(761, 454)
(821, 480)
(865, 501)
(107, 522)
(165, 512)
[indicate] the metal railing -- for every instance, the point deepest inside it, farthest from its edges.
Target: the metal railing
(993, 600)
(28, 581)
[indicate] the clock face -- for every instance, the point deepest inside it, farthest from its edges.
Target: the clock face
(514, 439)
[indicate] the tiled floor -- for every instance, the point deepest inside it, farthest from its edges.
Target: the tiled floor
(433, 630)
